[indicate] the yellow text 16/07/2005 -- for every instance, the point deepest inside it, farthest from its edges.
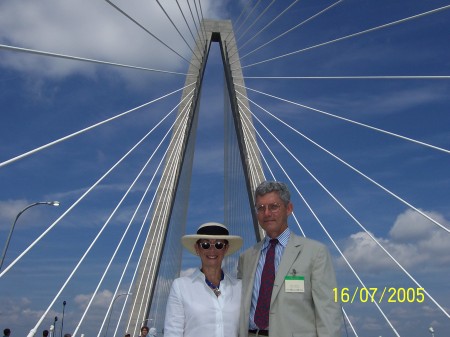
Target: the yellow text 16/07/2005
(375, 294)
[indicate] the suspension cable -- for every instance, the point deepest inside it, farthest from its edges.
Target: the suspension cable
(388, 77)
(202, 28)
(248, 16)
(267, 164)
(144, 221)
(293, 28)
(40, 148)
(244, 9)
(352, 216)
(33, 331)
(256, 20)
(199, 33)
(188, 26)
(81, 197)
(356, 170)
(293, 213)
(351, 121)
(176, 28)
(158, 239)
(77, 58)
(149, 32)
(265, 27)
(142, 252)
(129, 224)
(351, 35)
(313, 213)
(323, 227)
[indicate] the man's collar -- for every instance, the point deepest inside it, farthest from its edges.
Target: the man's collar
(283, 239)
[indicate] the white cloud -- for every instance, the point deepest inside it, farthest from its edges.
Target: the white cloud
(17, 311)
(410, 225)
(92, 29)
(102, 299)
(412, 240)
(9, 210)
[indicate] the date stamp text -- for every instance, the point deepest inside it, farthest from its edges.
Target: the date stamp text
(379, 295)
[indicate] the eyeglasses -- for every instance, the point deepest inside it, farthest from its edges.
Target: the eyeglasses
(273, 208)
(218, 244)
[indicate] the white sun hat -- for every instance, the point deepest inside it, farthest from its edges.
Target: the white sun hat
(212, 230)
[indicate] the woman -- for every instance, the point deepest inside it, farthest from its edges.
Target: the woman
(206, 303)
(144, 331)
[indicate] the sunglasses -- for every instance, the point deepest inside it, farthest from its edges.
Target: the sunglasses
(206, 245)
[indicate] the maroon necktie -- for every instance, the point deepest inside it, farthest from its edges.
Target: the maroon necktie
(265, 290)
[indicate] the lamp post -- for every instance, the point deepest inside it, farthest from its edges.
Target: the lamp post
(146, 320)
(112, 306)
(62, 320)
(53, 332)
(50, 203)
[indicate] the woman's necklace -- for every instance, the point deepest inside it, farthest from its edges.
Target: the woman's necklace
(214, 288)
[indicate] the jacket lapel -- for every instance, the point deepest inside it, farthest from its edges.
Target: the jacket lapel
(249, 274)
(253, 261)
(290, 254)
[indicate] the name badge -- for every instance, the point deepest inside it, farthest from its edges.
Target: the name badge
(294, 284)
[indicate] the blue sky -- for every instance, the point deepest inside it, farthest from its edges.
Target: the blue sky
(44, 98)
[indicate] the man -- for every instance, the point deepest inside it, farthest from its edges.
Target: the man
(299, 270)
(6, 332)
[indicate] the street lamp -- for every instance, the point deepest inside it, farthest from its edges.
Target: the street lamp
(53, 331)
(431, 331)
(112, 306)
(62, 321)
(50, 203)
(146, 320)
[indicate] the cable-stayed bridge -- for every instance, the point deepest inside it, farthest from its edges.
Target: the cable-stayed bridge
(347, 102)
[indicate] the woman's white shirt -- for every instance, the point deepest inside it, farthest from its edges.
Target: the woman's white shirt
(194, 310)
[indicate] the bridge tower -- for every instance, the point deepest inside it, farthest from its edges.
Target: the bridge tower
(172, 192)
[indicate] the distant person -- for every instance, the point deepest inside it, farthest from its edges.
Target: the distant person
(45, 333)
(67, 335)
(6, 332)
(144, 331)
(206, 303)
(297, 269)
(127, 335)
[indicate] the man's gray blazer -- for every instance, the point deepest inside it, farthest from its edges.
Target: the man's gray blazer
(312, 313)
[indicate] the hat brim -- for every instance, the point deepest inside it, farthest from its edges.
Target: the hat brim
(234, 242)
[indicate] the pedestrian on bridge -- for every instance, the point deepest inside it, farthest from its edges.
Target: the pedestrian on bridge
(144, 331)
(6, 332)
(208, 301)
(287, 280)
(152, 332)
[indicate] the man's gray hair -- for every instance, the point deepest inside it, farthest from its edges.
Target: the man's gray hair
(274, 186)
